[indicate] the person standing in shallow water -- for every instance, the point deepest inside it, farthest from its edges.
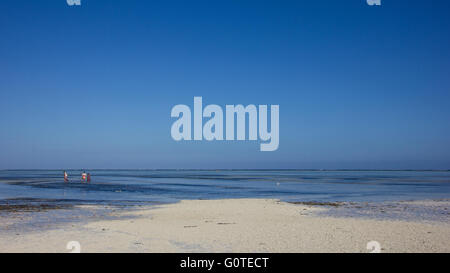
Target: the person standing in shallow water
(88, 177)
(66, 177)
(83, 176)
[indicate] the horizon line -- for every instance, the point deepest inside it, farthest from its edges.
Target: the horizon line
(218, 169)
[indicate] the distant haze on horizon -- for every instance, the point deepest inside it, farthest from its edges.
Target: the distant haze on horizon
(359, 87)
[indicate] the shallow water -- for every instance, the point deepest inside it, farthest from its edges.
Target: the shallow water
(122, 187)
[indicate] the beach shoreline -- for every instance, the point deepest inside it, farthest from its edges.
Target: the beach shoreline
(234, 225)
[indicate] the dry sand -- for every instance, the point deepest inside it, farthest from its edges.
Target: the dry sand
(234, 225)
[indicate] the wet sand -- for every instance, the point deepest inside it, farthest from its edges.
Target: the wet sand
(236, 225)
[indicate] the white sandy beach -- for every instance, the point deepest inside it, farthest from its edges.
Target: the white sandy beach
(234, 225)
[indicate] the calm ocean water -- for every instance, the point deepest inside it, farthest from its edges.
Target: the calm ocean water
(148, 186)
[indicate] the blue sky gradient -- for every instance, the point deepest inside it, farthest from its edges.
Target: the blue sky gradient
(92, 86)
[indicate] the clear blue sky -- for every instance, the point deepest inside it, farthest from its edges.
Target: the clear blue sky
(92, 86)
